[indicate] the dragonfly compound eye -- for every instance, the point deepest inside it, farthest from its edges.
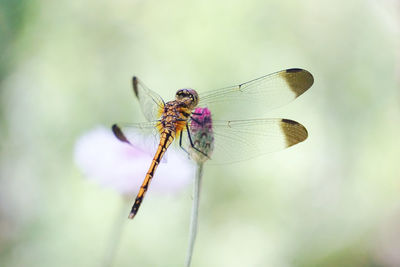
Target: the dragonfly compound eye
(187, 94)
(180, 94)
(194, 97)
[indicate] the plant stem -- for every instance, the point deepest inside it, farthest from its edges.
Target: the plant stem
(115, 236)
(195, 213)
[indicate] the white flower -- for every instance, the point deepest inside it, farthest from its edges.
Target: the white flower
(106, 160)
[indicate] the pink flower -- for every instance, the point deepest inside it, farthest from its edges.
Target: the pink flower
(202, 135)
(112, 163)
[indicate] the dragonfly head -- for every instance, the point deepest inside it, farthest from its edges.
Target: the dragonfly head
(187, 96)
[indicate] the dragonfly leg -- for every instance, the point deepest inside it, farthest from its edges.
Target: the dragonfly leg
(191, 142)
(197, 121)
(180, 143)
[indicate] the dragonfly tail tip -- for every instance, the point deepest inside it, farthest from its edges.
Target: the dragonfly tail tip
(131, 215)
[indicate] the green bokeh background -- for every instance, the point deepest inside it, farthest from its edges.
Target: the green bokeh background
(334, 200)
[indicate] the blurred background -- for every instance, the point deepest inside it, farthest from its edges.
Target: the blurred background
(334, 200)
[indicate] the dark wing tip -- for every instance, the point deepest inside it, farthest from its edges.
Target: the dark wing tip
(299, 80)
(118, 133)
(294, 132)
(135, 86)
(293, 70)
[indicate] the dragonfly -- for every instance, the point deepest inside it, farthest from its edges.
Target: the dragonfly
(233, 140)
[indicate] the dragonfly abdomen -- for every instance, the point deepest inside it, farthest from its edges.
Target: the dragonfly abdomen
(165, 140)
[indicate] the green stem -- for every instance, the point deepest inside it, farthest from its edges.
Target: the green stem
(195, 213)
(115, 237)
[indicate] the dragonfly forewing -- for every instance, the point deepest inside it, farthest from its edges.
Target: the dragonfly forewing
(150, 102)
(258, 95)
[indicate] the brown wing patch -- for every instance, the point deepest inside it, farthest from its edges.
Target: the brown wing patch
(119, 134)
(299, 80)
(294, 132)
(135, 86)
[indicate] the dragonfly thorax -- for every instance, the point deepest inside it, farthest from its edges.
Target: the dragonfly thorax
(187, 96)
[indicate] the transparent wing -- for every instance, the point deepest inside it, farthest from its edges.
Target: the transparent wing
(150, 102)
(259, 95)
(143, 136)
(239, 140)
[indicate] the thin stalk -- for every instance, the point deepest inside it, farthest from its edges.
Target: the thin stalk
(115, 236)
(195, 213)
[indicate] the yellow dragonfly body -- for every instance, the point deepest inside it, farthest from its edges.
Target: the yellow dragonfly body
(235, 140)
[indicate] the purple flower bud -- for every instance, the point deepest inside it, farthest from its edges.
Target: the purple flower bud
(202, 135)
